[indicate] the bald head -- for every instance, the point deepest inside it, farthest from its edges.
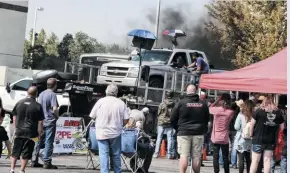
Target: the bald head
(51, 83)
(191, 89)
(32, 91)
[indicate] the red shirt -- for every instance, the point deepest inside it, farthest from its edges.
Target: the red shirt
(221, 123)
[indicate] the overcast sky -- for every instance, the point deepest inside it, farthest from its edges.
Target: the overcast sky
(107, 20)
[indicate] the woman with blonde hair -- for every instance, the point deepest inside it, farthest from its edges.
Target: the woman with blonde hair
(243, 140)
(265, 124)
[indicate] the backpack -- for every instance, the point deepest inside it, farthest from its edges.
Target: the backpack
(246, 131)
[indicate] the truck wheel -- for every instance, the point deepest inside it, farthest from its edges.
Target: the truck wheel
(156, 82)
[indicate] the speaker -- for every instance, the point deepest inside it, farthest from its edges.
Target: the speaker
(144, 43)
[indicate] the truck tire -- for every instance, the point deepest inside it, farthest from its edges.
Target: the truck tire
(156, 82)
(68, 76)
(41, 77)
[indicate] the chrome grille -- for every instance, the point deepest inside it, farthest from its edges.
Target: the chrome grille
(118, 68)
(117, 71)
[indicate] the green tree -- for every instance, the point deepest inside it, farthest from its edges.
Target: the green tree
(38, 51)
(117, 49)
(44, 48)
(84, 44)
(63, 47)
(249, 31)
(51, 44)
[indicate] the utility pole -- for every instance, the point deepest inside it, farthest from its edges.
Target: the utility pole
(157, 22)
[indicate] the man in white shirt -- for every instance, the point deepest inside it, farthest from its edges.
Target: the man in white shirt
(110, 114)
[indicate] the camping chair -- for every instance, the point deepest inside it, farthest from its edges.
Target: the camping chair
(93, 160)
(129, 150)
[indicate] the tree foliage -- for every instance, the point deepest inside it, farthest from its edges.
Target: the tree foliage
(116, 49)
(83, 43)
(249, 31)
(49, 53)
(63, 48)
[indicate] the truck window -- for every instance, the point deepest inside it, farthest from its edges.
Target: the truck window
(192, 59)
(180, 57)
(22, 85)
(153, 56)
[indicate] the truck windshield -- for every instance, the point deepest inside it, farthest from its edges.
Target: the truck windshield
(153, 56)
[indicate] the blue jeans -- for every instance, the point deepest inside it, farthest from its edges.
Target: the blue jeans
(46, 142)
(283, 164)
(170, 140)
(221, 162)
(105, 147)
(234, 157)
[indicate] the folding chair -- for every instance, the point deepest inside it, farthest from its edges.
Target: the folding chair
(93, 160)
(129, 150)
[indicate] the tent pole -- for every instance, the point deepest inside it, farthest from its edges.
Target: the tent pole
(276, 99)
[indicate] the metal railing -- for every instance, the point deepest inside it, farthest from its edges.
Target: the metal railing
(173, 80)
(85, 72)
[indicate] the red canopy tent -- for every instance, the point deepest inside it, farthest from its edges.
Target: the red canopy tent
(267, 76)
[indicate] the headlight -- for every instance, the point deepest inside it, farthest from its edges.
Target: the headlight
(103, 71)
(133, 72)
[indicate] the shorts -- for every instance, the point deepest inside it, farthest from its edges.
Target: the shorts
(190, 146)
(23, 147)
(261, 148)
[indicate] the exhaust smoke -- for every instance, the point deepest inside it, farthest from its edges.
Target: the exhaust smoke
(197, 36)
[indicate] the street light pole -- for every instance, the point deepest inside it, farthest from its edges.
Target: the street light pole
(33, 32)
(34, 24)
(157, 22)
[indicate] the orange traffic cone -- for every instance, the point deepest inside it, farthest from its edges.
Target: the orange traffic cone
(204, 154)
(163, 149)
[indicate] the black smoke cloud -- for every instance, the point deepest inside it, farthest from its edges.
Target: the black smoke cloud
(197, 35)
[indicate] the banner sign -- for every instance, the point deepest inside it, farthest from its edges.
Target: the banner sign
(68, 131)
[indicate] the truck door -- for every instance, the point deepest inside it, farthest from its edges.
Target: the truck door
(18, 92)
(181, 59)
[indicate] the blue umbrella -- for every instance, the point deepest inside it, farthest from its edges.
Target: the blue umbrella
(142, 34)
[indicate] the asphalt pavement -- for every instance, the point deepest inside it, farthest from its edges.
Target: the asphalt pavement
(77, 164)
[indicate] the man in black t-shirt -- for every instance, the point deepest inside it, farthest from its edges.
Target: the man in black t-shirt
(264, 128)
(28, 120)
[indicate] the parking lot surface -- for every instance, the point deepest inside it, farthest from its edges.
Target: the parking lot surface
(77, 164)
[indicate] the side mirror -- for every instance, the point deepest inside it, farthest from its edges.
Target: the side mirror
(8, 89)
(211, 66)
(130, 58)
(174, 64)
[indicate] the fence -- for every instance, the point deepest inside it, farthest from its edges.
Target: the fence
(174, 79)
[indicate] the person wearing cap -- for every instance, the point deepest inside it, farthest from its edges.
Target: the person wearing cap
(139, 116)
(165, 127)
(145, 148)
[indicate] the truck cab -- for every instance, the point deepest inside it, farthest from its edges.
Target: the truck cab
(14, 92)
(125, 73)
